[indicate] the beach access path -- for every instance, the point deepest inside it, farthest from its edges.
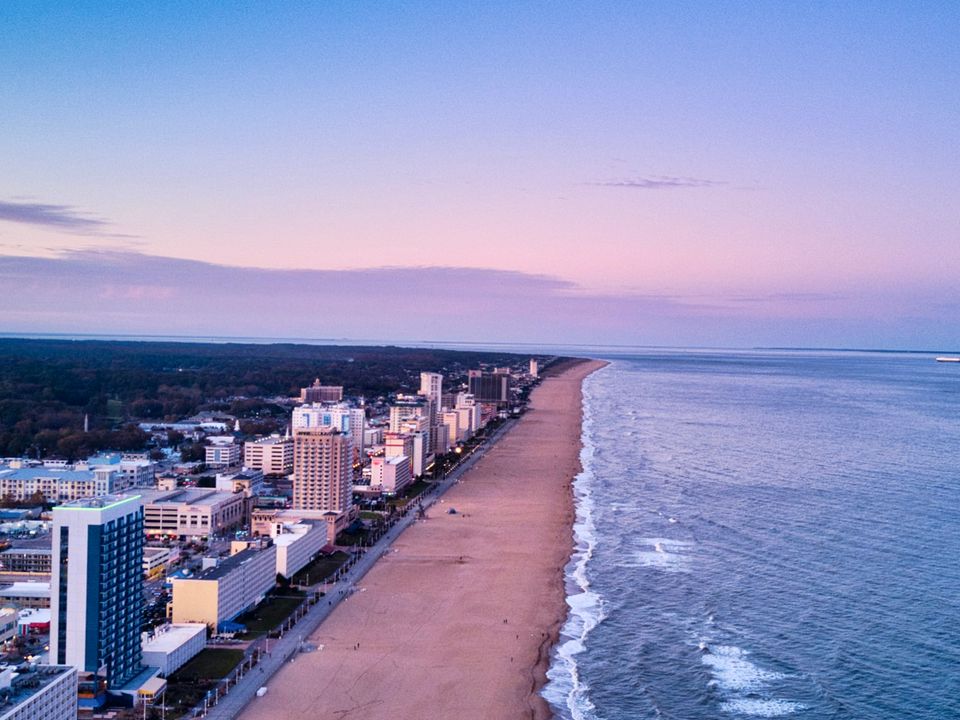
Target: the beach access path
(457, 618)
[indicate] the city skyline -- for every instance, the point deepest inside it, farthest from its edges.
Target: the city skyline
(612, 174)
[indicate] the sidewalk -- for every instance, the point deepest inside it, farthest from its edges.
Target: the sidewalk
(240, 691)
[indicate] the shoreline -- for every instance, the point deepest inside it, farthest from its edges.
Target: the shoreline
(545, 654)
(460, 617)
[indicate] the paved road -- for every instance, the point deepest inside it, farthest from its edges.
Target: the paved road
(241, 691)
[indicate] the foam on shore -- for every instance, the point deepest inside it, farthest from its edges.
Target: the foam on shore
(567, 694)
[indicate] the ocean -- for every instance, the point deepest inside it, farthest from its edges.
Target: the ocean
(765, 534)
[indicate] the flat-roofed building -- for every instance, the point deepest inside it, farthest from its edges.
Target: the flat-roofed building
(25, 561)
(222, 453)
(490, 387)
(171, 646)
(318, 393)
(298, 544)
(133, 471)
(264, 522)
(322, 469)
(372, 436)
(9, 623)
(271, 455)
(57, 484)
(193, 512)
(155, 561)
(390, 474)
(431, 386)
(97, 580)
(455, 434)
(247, 481)
(33, 620)
(40, 692)
(26, 595)
(223, 592)
(340, 416)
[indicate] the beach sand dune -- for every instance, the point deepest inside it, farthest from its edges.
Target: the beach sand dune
(457, 620)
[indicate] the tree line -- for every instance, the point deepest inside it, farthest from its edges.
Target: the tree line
(48, 387)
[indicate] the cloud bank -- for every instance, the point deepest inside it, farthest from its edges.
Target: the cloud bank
(121, 293)
(57, 217)
(660, 182)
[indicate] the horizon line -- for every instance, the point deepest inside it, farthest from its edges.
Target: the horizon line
(272, 340)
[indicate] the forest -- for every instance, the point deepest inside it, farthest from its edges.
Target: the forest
(48, 386)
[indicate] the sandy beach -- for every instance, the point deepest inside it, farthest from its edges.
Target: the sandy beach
(458, 619)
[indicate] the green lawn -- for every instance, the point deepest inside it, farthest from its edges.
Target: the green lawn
(411, 493)
(271, 612)
(209, 664)
(320, 569)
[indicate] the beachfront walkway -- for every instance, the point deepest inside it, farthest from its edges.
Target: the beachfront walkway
(287, 648)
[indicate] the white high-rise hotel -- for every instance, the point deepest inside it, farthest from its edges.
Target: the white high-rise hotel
(343, 417)
(96, 604)
(431, 386)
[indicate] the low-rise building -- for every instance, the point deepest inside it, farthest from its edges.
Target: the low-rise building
(298, 544)
(171, 646)
(222, 452)
(9, 622)
(25, 561)
(248, 481)
(155, 561)
(263, 521)
(42, 692)
(57, 484)
(133, 470)
(26, 595)
(192, 512)
(33, 620)
(223, 592)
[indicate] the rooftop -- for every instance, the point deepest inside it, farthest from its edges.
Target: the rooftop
(59, 474)
(170, 637)
(271, 440)
(33, 616)
(294, 532)
(28, 680)
(26, 589)
(229, 564)
(187, 496)
(27, 551)
(101, 502)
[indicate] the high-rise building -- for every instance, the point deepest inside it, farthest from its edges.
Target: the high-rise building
(322, 469)
(489, 387)
(534, 368)
(341, 416)
(96, 606)
(431, 384)
(455, 433)
(318, 393)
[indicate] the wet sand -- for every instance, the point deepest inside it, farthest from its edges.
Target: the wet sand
(457, 621)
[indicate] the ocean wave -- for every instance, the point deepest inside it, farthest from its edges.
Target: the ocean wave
(660, 553)
(743, 683)
(757, 707)
(566, 692)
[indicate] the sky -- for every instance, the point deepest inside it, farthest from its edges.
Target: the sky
(684, 173)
